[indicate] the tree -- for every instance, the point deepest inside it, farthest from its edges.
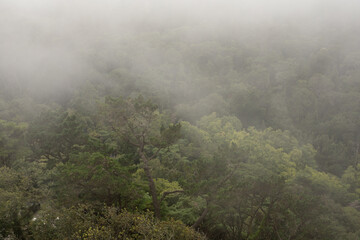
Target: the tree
(97, 179)
(139, 123)
(19, 200)
(54, 135)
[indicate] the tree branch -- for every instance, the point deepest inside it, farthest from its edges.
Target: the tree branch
(168, 193)
(155, 154)
(201, 218)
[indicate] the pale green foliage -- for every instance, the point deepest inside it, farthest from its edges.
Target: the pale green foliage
(84, 222)
(163, 185)
(19, 201)
(351, 177)
(326, 184)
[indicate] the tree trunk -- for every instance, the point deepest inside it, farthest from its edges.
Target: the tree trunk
(152, 188)
(201, 218)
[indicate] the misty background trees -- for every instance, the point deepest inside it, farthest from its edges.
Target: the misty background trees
(208, 120)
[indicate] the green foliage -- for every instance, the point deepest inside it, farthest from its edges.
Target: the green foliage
(12, 144)
(133, 119)
(83, 222)
(19, 200)
(351, 177)
(265, 125)
(92, 177)
(56, 134)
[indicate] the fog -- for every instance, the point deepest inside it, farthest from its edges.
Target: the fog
(48, 45)
(227, 119)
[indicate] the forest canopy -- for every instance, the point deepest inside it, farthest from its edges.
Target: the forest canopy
(182, 120)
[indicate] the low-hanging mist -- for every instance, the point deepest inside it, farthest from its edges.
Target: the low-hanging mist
(180, 119)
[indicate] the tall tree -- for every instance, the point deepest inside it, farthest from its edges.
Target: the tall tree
(138, 122)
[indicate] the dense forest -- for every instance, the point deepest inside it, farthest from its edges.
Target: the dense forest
(176, 121)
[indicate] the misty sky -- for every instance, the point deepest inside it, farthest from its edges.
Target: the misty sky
(45, 42)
